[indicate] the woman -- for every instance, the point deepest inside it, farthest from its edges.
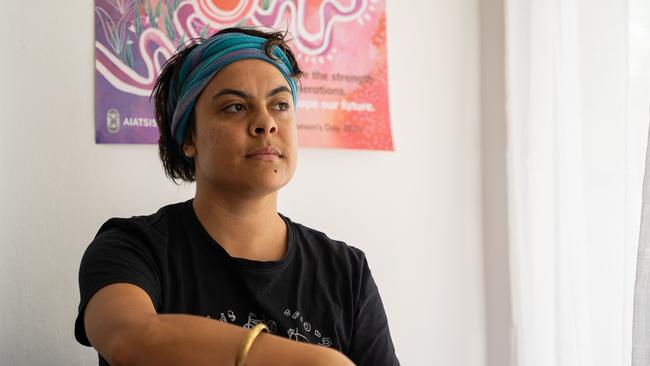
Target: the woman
(195, 283)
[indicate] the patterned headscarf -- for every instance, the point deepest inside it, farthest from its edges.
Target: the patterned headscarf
(208, 58)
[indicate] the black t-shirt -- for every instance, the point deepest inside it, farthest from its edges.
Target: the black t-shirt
(320, 292)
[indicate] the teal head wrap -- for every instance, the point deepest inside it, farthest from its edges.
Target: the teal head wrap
(208, 58)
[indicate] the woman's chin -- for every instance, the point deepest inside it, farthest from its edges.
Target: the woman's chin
(258, 185)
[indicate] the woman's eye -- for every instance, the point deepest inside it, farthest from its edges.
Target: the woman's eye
(233, 108)
(282, 106)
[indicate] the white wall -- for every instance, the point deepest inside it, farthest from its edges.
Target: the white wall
(416, 212)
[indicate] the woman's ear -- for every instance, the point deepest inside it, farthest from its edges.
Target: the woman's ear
(189, 147)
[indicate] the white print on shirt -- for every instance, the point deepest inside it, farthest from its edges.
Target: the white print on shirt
(296, 335)
(222, 317)
(231, 316)
(252, 321)
(293, 333)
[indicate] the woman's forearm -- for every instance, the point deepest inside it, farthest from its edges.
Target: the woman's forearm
(171, 339)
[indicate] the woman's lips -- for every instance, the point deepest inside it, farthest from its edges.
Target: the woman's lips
(269, 157)
(268, 153)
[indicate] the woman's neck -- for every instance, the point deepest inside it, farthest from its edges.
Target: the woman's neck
(247, 227)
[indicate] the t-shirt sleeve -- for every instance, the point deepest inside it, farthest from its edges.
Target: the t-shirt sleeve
(115, 256)
(371, 341)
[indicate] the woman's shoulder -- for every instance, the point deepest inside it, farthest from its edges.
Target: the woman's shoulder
(320, 244)
(156, 225)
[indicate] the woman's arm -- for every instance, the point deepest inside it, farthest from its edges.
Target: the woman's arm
(122, 324)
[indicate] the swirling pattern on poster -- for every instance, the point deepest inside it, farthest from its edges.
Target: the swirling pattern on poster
(134, 38)
(191, 19)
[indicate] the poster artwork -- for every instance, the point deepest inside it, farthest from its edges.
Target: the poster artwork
(340, 44)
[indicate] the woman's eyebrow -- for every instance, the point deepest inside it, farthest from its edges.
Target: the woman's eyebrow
(278, 90)
(227, 91)
(244, 95)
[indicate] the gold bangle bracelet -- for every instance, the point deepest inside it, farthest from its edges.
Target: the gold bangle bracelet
(248, 342)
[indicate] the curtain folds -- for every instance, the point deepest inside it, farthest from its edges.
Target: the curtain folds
(641, 324)
(639, 102)
(575, 165)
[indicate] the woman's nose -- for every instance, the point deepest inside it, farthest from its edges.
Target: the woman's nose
(263, 124)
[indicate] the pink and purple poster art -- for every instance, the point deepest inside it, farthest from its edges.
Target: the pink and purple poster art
(340, 44)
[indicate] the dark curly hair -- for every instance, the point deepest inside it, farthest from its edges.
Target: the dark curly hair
(175, 163)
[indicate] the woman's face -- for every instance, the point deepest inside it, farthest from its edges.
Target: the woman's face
(245, 138)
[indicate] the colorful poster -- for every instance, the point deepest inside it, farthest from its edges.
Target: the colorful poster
(340, 44)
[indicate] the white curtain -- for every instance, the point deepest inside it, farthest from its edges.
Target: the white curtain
(641, 325)
(639, 91)
(577, 127)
